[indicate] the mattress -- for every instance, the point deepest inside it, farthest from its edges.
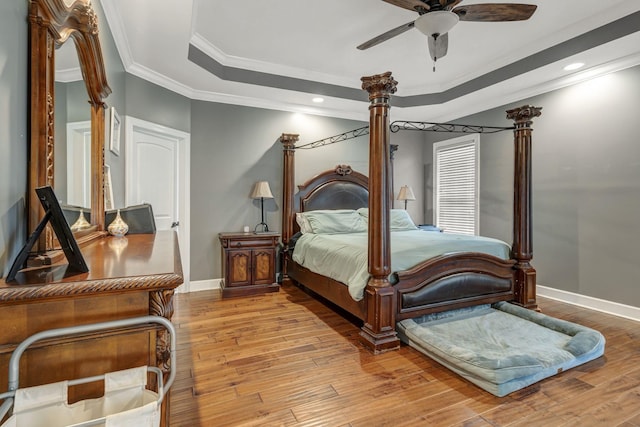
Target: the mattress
(501, 347)
(343, 256)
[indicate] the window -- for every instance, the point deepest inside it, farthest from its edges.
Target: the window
(456, 183)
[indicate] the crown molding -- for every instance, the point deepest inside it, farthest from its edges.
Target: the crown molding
(231, 61)
(147, 74)
(118, 32)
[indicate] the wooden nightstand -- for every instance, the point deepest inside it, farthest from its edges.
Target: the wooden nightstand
(248, 263)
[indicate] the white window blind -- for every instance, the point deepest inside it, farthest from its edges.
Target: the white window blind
(456, 178)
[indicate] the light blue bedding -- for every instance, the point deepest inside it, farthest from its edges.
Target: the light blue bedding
(343, 257)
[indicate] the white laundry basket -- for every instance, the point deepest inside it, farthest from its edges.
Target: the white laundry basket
(126, 401)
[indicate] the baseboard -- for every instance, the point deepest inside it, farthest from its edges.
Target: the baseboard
(609, 307)
(204, 285)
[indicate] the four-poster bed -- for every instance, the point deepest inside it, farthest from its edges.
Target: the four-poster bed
(442, 283)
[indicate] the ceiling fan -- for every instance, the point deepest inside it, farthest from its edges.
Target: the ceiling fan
(437, 17)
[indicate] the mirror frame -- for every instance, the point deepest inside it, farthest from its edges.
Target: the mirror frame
(51, 24)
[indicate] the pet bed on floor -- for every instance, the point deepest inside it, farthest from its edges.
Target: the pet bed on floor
(501, 347)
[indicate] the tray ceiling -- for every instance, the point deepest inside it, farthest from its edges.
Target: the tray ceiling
(279, 54)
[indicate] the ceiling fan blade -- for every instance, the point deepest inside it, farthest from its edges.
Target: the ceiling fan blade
(413, 5)
(438, 46)
(449, 4)
(495, 12)
(386, 36)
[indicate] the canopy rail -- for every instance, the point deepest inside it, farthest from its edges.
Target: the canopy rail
(336, 138)
(399, 125)
(445, 127)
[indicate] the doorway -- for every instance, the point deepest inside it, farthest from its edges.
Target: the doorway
(157, 172)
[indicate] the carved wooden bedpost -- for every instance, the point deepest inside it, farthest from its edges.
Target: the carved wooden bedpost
(288, 141)
(378, 331)
(522, 248)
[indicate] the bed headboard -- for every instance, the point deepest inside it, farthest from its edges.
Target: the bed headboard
(339, 188)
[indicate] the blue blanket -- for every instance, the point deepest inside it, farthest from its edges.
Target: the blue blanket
(343, 257)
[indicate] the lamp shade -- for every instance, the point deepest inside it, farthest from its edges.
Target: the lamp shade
(261, 190)
(406, 193)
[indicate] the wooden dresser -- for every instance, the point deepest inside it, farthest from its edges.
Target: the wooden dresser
(128, 277)
(248, 263)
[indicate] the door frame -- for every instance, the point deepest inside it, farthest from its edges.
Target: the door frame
(133, 125)
(77, 130)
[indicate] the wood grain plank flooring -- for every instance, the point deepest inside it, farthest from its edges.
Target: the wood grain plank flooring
(287, 359)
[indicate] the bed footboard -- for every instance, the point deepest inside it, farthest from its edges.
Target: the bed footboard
(453, 281)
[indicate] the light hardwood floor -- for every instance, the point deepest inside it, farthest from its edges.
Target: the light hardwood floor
(286, 359)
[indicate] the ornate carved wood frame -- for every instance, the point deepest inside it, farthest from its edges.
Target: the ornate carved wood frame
(51, 24)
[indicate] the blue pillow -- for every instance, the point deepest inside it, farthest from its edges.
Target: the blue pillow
(400, 219)
(335, 221)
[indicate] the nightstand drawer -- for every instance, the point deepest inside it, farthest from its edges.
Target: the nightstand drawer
(235, 244)
(248, 240)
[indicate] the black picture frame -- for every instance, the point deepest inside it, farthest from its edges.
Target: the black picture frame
(53, 214)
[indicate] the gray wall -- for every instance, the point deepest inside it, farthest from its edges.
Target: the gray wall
(13, 129)
(586, 186)
(408, 170)
(116, 78)
(61, 118)
(147, 101)
(232, 147)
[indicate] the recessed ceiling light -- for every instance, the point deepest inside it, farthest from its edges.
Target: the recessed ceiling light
(574, 66)
(318, 99)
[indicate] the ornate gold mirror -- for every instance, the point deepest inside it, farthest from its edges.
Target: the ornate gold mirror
(51, 24)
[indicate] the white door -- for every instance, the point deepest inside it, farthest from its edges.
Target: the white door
(79, 164)
(154, 176)
(156, 172)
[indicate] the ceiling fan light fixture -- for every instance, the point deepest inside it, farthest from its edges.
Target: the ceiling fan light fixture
(437, 22)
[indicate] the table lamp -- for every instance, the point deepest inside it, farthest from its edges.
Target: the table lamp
(406, 193)
(261, 191)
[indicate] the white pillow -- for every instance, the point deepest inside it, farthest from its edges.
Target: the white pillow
(303, 223)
